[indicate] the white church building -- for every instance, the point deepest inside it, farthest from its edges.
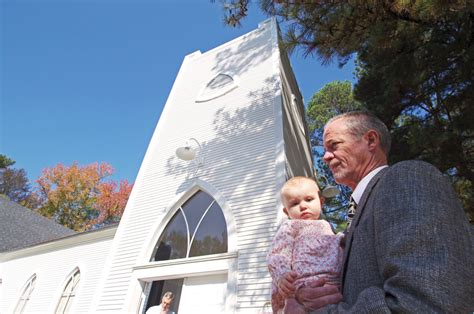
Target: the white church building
(205, 204)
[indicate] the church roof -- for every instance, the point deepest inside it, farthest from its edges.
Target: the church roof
(21, 227)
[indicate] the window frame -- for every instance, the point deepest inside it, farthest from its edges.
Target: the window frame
(74, 292)
(146, 272)
(202, 96)
(26, 290)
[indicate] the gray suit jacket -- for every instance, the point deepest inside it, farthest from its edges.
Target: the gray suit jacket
(409, 248)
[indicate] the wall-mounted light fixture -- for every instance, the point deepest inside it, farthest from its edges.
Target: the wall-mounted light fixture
(329, 190)
(188, 152)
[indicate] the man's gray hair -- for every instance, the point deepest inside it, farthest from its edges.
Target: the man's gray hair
(360, 122)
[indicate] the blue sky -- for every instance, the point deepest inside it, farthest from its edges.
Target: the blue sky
(86, 80)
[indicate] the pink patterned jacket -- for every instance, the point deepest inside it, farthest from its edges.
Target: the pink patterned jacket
(308, 247)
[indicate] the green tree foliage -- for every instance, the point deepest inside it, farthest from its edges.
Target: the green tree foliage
(234, 11)
(14, 184)
(5, 161)
(416, 69)
(419, 81)
(334, 98)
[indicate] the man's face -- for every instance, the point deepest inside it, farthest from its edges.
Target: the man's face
(346, 155)
(165, 303)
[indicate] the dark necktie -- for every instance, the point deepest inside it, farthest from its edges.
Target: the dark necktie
(351, 212)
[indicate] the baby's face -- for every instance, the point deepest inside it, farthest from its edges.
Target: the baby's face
(302, 201)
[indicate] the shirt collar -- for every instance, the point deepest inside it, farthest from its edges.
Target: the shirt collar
(360, 188)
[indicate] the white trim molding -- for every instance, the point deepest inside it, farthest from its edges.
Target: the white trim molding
(185, 267)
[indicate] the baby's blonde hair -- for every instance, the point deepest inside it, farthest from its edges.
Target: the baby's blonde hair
(295, 181)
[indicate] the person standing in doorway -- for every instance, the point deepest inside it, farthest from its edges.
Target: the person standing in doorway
(164, 306)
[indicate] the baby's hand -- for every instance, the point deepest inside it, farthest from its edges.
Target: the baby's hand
(285, 284)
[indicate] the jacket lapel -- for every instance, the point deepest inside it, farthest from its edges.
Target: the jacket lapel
(355, 221)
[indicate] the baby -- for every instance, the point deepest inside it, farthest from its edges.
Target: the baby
(303, 245)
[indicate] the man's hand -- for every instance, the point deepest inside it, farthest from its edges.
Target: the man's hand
(318, 294)
(286, 284)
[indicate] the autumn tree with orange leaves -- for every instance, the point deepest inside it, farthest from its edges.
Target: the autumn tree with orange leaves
(79, 198)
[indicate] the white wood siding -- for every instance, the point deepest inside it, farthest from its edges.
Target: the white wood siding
(241, 134)
(299, 158)
(52, 267)
(239, 137)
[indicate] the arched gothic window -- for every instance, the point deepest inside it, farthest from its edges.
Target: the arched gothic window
(25, 295)
(216, 87)
(220, 81)
(197, 228)
(195, 250)
(69, 292)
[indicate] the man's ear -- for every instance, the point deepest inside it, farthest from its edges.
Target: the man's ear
(373, 139)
